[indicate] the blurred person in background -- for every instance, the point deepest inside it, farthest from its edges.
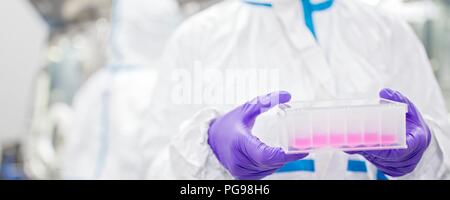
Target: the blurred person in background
(110, 105)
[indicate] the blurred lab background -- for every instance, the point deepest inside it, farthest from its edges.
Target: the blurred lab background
(51, 49)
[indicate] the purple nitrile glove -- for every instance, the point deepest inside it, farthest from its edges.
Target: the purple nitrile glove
(399, 162)
(241, 153)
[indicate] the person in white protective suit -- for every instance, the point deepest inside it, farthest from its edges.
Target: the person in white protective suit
(109, 107)
(320, 50)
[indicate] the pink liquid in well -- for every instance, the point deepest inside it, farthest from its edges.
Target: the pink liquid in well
(371, 139)
(388, 139)
(302, 143)
(320, 140)
(337, 140)
(354, 139)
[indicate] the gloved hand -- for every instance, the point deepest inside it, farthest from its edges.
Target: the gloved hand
(400, 162)
(241, 153)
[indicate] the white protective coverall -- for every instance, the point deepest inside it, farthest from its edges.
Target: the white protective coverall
(357, 51)
(109, 107)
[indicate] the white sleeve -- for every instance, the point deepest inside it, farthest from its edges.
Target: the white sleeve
(188, 155)
(413, 76)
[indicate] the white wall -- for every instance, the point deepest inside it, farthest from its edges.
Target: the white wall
(22, 36)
